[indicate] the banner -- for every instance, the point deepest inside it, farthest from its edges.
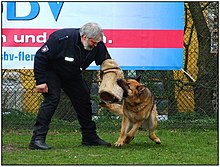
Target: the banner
(138, 35)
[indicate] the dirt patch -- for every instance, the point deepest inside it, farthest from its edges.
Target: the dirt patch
(8, 147)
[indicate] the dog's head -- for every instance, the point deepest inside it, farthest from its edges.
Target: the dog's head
(131, 87)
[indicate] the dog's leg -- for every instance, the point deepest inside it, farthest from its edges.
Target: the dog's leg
(122, 136)
(115, 108)
(131, 133)
(152, 125)
(129, 126)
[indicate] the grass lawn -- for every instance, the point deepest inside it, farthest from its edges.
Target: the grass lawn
(179, 146)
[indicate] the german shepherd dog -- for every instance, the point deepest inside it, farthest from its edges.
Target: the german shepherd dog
(137, 109)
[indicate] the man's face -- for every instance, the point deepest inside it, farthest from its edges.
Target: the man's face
(89, 43)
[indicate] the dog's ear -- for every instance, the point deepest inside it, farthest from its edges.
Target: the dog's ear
(141, 88)
(138, 78)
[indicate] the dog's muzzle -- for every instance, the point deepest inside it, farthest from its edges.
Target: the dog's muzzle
(121, 82)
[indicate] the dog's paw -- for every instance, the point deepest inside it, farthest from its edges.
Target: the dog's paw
(119, 144)
(155, 139)
(128, 139)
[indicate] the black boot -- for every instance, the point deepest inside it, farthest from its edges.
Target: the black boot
(94, 140)
(39, 137)
(41, 128)
(39, 144)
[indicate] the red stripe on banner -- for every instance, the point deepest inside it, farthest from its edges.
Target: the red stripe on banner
(145, 38)
(113, 38)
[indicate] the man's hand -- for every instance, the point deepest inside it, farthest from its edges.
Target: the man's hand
(42, 88)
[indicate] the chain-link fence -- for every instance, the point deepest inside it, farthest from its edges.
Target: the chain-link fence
(184, 95)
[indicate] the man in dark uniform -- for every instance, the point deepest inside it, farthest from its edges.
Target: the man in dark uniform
(58, 65)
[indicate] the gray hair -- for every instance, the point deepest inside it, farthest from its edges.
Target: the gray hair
(91, 30)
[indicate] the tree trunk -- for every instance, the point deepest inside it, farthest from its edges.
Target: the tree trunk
(207, 63)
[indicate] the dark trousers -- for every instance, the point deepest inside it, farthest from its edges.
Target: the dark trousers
(79, 94)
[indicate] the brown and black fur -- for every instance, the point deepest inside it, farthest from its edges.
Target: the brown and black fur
(137, 109)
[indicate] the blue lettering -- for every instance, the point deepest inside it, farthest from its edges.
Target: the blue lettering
(25, 57)
(11, 11)
(6, 56)
(55, 8)
(34, 11)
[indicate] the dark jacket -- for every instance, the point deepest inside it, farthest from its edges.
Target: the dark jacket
(64, 54)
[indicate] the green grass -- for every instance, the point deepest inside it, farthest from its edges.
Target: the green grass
(187, 139)
(179, 146)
